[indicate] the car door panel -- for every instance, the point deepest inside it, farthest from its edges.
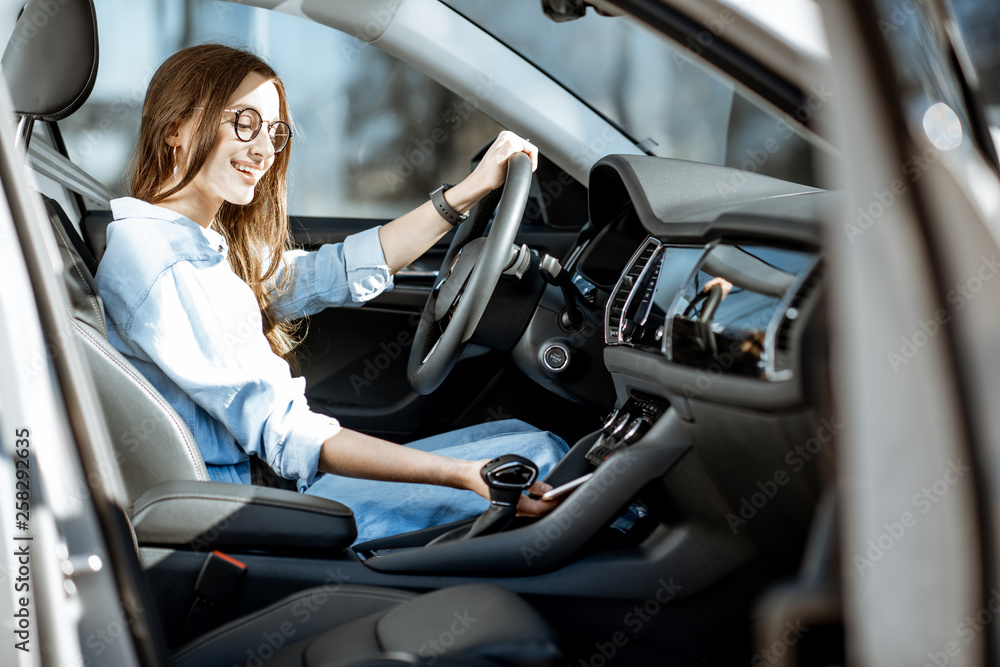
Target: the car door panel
(354, 359)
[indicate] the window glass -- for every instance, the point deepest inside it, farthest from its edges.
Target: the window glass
(362, 118)
(979, 22)
(932, 98)
(658, 93)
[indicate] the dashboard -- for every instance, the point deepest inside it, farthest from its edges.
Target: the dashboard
(700, 270)
(723, 302)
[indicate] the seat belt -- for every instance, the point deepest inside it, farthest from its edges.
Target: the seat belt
(52, 164)
(219, 580)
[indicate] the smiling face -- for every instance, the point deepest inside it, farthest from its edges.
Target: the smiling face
(233, 167)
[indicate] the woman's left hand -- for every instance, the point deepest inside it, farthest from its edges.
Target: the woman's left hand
(491, 171)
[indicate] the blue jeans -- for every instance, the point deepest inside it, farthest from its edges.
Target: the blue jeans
(390, 508)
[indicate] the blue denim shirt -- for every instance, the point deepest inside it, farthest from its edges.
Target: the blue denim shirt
(193, 328)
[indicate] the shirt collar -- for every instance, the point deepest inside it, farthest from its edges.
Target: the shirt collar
(130, 207)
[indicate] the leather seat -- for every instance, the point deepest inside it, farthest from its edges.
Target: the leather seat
(50, 76)
(468, 625)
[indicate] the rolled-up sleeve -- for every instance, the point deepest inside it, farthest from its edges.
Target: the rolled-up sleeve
(202, 327)
(337, 274)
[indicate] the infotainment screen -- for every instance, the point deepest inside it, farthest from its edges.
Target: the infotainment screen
(727, 311)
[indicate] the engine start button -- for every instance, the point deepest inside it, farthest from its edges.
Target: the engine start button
(555, 357)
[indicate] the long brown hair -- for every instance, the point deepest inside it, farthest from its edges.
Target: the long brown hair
(196, 83)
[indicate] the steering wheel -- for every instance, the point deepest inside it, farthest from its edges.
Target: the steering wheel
(703, 327)
(457, 303)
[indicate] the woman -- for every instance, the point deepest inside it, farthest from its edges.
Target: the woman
(199, 291)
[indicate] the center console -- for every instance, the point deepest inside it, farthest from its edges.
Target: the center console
(640, 443)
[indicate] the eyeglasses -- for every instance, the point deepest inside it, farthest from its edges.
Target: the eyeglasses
(248, 123)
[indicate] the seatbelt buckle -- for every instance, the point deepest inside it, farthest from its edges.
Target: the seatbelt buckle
(216, 586)
(219, 578)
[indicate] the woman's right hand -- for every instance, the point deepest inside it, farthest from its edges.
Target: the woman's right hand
(525, 506)
(491, 172)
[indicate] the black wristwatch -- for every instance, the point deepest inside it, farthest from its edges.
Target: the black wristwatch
(444, 208)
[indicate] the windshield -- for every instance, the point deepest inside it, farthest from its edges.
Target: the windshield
(660, 95)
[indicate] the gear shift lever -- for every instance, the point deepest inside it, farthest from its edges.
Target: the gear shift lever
(507, 476)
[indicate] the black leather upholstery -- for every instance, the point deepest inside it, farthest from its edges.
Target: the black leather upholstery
(310, 612)
(56, 212)
(466, 625)
(51, 59)
(235, 517)
(152, 443)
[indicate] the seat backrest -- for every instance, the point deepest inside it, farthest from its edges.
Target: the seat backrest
(50, 64)
(152, 443)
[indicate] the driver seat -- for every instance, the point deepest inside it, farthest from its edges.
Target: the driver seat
(50, 70)
(351, 625)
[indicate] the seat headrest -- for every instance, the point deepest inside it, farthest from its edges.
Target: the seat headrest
(50, 62)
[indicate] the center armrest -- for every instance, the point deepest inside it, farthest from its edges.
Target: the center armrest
(237, 517)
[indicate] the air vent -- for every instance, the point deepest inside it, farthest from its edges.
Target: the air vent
(621, 297)
(783, 336)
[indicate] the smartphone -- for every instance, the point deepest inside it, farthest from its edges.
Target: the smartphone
(566, 488)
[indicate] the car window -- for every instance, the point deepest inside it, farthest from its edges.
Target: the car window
(656, 92)
(979, 22)
(372, 135)
(934, 103)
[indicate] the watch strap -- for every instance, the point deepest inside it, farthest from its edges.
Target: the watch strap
(444, 208)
